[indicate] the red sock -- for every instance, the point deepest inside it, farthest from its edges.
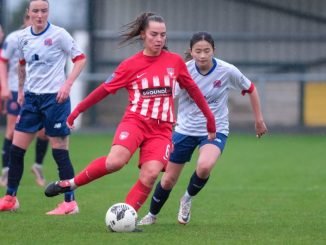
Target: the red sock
(138, 195)
(95, 170)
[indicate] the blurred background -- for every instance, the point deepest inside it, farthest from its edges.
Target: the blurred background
(279, 45)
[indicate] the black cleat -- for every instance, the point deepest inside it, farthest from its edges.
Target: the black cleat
(58, 187)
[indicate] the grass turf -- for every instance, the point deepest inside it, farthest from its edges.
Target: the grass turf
(267, 191)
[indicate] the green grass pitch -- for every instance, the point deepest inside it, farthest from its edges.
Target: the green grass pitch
(267, 191)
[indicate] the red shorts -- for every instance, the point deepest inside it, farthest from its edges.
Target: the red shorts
(153, 137)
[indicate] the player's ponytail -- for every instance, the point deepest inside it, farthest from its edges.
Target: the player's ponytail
(132, 30)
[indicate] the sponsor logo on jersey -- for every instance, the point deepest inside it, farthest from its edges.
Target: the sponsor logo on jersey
(48, 42)
(156, 92)
(217, 84)
(25, 43)
(123, 135)
(35, 57)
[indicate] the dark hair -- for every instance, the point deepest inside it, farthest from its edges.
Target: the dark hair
(132, 30)
(187, 55)
(200, 36)
(30, 1)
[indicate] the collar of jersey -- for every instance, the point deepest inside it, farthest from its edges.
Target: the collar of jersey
(39, 34)
(210, 71)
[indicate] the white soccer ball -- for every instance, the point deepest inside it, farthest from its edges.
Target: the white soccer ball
(121, 217)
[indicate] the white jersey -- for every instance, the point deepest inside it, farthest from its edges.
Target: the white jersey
(215, 87)
(45, 55)
(9, 53)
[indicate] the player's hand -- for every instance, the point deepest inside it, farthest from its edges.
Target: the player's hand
(20, 98)
(71, 118)
(211, 135)
(261, 129)
(63, 93)
(5, 94)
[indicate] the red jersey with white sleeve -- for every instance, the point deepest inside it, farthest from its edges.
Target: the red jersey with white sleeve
(150, 81)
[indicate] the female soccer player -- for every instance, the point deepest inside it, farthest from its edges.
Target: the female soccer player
(9, 90)
(149, 77)
(215, 78)
(44, 96)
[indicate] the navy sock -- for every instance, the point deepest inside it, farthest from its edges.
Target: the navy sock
(16, 169)
(40, 150)
(158, 199)
(6, 152)
(65, 168)
(196, 184)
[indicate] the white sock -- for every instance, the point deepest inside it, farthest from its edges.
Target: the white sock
(186, 197)
(37, 165)
(150, 214)
(73, 184)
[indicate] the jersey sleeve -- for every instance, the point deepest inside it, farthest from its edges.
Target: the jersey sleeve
(238, 80)
(118, 79)
(20, 49)
(70, 47)
(8, 48)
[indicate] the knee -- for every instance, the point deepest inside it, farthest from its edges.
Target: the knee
(168, 182)
(114, 163)
(203, 170)
(149, 177)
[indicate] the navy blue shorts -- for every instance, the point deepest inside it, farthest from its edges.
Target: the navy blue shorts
(43, 110)
(12, 106)
(184, 145)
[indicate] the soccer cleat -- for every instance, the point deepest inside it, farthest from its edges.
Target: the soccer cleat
(184, 211)
(9, 203)
(4, 177)
(65, 208)
(58, 187)
(148, 219)
(38, 172)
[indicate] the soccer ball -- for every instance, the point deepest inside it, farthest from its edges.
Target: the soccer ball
(121, 217)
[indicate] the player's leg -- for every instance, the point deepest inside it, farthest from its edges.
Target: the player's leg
(182, 151)
(41, 146)
(12, 109)
(21, 141)
(162, 192)
(154, 155)
(138, 194)
(7, 142)
(125, 143)
(209, 152)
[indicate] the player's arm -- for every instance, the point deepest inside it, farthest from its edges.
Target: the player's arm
(79, 64)
(260, 126)
(4, 79)
(21, 80)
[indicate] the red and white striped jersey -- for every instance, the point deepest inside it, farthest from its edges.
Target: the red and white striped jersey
(150, 82)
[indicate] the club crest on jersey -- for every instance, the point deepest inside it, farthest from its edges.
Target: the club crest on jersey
(123, 135)
(217, 84)
(48, 42)
(170, 71)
